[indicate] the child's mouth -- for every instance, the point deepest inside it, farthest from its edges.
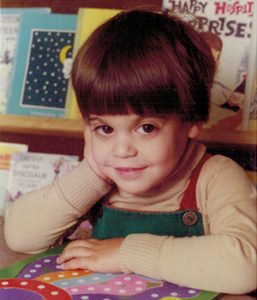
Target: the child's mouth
(129, 172)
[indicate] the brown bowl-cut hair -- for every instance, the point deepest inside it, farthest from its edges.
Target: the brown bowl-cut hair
(147, 63)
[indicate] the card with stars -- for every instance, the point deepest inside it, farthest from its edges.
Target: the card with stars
(40, 80)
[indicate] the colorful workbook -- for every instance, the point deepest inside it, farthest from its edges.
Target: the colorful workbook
(39, 80)
(39, 277)
(6, 151)
(30, 171)
(88, 20)
(9, 26)
(227, 27)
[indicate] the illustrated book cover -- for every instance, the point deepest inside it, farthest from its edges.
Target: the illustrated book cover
(227, 28)
(6, 151)
(39, 82)
(39, 277)
(250, 109)
(30, 171)
(9, 27)
(88, 20)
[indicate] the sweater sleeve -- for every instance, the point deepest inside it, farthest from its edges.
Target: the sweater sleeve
(36, 219)
(224, 259)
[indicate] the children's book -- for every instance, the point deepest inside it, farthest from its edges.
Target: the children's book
(30, 171)
(39, 277)
(6, 151)
(227, 28)
(250, 108)
(39, 80)
(9, 26)
(88, 20)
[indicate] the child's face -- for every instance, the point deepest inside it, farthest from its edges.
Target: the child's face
(138, 153)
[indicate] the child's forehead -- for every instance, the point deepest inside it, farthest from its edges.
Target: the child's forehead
(131, 116)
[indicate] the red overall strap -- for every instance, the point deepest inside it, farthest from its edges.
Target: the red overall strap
(189, 199)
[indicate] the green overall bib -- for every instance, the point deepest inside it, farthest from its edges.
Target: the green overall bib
(187, 221)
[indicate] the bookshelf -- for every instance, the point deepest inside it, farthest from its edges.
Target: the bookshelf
(74, 129)
(41, 126)
(66, 136)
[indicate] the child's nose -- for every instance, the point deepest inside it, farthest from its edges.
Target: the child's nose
(124, 147)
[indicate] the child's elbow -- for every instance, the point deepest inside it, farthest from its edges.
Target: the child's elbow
(249, 283)
(14, 241)
(243, 279)
(15, 238)
(14, 245)
(17, 244)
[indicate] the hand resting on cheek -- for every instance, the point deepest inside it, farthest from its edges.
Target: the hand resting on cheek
(89, 157)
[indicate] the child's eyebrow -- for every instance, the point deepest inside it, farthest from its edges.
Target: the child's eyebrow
(94, 118)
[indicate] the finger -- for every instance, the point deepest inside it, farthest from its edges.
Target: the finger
(87, 134)
(93, 241)
(86, 140)
(86, 130)
(74, 253)
(79, 243)
(75, 263)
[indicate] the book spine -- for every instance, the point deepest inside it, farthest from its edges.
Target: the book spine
(71, 107)
(251, 84)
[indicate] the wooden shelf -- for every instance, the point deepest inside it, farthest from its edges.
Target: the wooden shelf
(41, 126)
(74, 129)
(228, 137)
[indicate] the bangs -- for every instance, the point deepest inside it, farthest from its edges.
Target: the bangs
(135, 87)
(128, 80)
(149, 103)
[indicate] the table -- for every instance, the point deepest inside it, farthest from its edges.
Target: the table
(7, 257)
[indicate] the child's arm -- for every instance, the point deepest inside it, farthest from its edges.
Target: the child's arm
(223, 260)
(37, 219)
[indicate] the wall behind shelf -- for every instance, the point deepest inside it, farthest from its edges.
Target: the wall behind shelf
(71, 6)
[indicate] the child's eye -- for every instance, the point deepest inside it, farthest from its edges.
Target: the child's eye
(103, 130)
(146, 128)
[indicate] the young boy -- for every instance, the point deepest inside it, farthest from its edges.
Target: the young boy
(160, 206)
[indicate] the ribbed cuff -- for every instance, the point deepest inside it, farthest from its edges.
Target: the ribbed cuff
(82, 187)
(139, 253)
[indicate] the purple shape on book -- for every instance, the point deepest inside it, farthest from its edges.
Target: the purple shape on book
(168, 289)
(97, 297)
(19, 294)
(39, 267)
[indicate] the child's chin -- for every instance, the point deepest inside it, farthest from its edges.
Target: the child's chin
(133, 190)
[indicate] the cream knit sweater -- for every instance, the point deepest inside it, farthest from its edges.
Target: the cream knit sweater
(222, 260)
